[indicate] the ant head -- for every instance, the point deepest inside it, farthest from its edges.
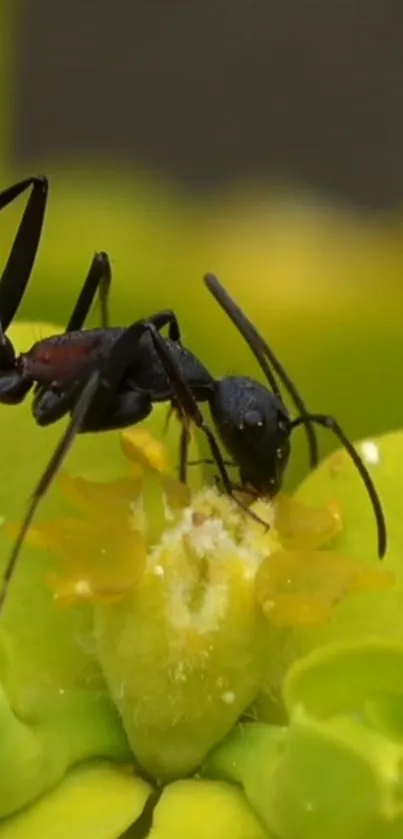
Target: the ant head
(254, 426)
(265, 357)
(7, 352)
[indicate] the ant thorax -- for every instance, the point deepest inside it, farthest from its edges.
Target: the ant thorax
(61, 357)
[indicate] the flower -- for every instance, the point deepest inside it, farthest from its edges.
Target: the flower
(190, 596)
(189, 617)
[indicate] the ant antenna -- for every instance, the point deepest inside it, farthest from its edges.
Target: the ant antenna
(332, 425)
(98, 281)
(263, 354)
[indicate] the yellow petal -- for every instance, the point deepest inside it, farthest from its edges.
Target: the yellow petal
(99, 562)
(144, 450)
(303, 588)
(305, 528)
(177, 494)
(96, 499)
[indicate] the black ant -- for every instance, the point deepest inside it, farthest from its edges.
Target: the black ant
(110, 378)
(107, 378)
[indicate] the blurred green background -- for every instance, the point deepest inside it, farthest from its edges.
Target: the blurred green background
(321, 278)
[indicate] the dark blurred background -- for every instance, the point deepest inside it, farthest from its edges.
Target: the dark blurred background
(205, 91)
(260, 140)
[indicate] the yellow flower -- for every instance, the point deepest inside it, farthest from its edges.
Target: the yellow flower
(189, 593)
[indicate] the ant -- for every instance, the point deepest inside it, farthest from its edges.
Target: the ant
(106, 378)
(109, 378)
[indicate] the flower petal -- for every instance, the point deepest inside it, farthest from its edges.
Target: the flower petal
(101, 563)
(298, 588)
(144, 450)
(305, 528)
(97, 499)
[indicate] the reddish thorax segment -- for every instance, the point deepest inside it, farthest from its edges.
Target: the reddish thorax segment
(61, 357)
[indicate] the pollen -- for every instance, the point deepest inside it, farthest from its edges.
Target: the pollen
(83, 588)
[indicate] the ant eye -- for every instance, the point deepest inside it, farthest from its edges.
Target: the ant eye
(253, 420)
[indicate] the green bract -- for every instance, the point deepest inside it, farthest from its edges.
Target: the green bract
(315, 779)
(94, 801)
(337, 767)
(379, 613)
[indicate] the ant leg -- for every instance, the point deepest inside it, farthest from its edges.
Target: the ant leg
(51, 403)
(184, 461)
(19, 265)
(99, 280)
(186, 402)
(184, 439)
(96, 394)
(168, 417)
(188, 405)
(263, 355)
(80, 409)
(13, 388)
(184, 443)
(125, 409)
(207, 461)
(331, 424)
(166, 318)
(110, 409)
(48, 405)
